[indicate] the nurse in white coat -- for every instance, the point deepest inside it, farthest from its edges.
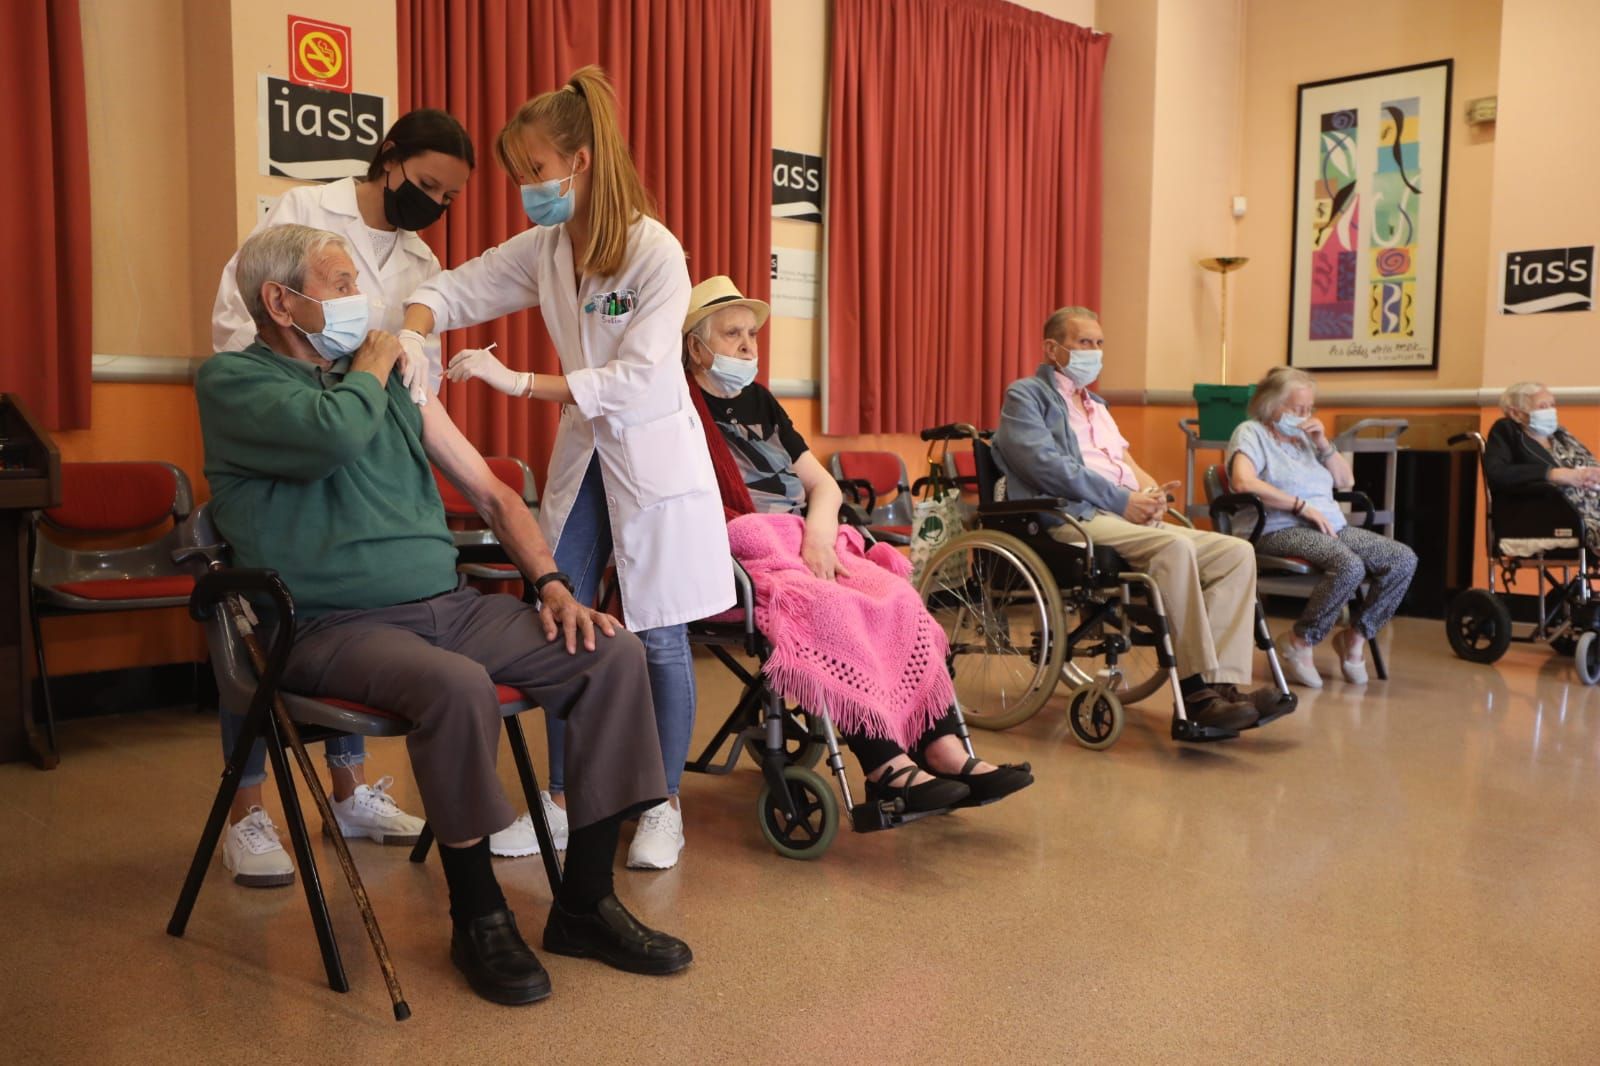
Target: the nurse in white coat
(630, 473)
(422, 163)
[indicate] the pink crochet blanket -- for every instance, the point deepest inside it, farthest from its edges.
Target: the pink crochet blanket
(862, 645)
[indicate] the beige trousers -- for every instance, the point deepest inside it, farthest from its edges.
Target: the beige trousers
(1208, 585)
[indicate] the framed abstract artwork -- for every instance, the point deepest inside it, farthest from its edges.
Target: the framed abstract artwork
(1369, 191)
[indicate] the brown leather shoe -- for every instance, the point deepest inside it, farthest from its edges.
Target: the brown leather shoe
(1268, 703)
(1211, 708)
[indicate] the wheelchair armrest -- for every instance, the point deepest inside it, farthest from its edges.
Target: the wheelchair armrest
(1230, 504)
(855, 487)
(1003, 507)
(950, 431)
(1358, 501)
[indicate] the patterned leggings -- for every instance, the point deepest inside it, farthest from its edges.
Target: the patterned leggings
(1354, 556)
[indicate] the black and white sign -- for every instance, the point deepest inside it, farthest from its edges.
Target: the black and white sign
(315, 134)
(1548, 279)
(796, 186)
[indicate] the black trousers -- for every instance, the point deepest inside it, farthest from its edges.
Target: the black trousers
(873, 752)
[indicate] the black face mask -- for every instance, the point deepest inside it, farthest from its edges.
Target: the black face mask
(409, 207)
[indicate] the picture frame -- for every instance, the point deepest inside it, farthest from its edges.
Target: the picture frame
(1367, 252)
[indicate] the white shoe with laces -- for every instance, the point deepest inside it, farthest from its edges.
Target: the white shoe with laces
(1355, 669)
(371, 813)
(252, 852)
(1298, 664)
(519, 839)
(658, 840)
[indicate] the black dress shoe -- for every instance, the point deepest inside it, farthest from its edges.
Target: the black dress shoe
(984, 789)
(497, 962)
(935, 794)
(616, 938)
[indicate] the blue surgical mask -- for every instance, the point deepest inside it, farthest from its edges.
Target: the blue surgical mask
(1289, 424)
(1543, 421)
(730, 374)
(344, 325)
(1083, 365)
(546, 204)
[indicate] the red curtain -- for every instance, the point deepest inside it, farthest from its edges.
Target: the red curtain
(963, 204)
(46, 293)
(694, 81)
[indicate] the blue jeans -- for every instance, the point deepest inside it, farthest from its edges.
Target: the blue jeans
(339, 751)
(581, 554)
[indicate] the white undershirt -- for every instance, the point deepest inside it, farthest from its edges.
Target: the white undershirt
(383, 242)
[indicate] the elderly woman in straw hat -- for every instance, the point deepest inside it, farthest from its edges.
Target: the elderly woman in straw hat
(1282, 455)
(764, 467)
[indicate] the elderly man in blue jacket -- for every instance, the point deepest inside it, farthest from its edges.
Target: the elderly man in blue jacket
(1058, 439)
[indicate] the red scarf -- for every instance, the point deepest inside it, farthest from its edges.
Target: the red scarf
(735, 495)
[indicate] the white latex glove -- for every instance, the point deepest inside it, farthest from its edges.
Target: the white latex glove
(413, 366)
(480, 363)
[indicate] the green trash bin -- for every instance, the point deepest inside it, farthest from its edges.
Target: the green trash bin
(1222, 408)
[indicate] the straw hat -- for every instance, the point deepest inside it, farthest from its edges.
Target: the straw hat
(719, 294)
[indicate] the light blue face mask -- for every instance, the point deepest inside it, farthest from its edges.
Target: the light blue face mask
(546, 204)
(1083, 365)
(730, 374)
(1289, 424)
(344, 325)
(1543, 421)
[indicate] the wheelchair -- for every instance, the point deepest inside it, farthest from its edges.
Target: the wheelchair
(796, 809)
(1544, 533)
(1026, 614)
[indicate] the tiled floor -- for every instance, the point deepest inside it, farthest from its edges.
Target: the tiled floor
(1405, 874)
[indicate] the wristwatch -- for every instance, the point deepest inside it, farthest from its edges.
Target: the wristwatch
(554, 575)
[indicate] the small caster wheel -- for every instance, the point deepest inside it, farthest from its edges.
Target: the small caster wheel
(1096, 717)
(1478, 626)
(801, 747)
(809, 835)
(1587, 657)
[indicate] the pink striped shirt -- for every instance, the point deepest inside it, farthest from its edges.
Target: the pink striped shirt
(1104, 448)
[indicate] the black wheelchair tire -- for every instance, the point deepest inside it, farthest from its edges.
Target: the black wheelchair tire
(1478, 626)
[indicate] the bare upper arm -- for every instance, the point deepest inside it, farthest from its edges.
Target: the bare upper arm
(461, 464)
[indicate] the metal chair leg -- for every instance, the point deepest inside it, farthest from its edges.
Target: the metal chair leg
(530, 790)
(232, 773)
(44, 686)
(419, 850)
(1378, 665)
(300, 838)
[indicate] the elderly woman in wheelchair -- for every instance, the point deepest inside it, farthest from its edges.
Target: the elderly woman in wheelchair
(1281, 455)
(1542, 511)
(890, 699)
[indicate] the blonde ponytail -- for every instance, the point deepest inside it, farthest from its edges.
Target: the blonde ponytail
(583, 114)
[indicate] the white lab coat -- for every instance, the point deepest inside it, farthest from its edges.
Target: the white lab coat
(333, 207)
(620, 340)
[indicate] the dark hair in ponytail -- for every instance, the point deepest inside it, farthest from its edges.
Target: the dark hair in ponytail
(425, 130)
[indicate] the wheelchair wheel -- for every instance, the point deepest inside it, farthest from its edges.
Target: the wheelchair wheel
(808, 836)
(1587, 657)
(1478, 626)
(1095, 714)
(1139, 672)
(801, 747)
(1001, 610)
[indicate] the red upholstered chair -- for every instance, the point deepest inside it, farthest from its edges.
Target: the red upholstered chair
(878, 482)
(472, 538)
(101, 501)
(242, 690)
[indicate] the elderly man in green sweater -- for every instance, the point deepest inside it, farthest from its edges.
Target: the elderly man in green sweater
(318, 462)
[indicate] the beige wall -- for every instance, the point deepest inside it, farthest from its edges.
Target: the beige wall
(1287, 42)
(1544, 171)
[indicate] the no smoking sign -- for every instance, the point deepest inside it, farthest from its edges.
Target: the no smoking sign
(319, 54)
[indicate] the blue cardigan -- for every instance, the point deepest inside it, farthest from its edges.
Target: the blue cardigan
(1038, 451)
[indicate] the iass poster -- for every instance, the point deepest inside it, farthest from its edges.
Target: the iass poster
(1544, 280)
(314, 134)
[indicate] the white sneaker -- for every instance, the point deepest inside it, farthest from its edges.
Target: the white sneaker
(1355, 670)
(557, 817)
(515, 840)
(370, 813)
(658, 840)
(1298, 664)
(252, 852)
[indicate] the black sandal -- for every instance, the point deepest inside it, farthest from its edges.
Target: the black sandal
(997, 784)
(938, 794)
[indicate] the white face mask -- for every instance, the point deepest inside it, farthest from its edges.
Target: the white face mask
(732, 374)
(1083, 365)
(1543, 421)
(344, 325)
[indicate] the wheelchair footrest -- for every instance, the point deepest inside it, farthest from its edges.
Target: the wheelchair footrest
(1183, 729)
(1271, 705)
(886, 814)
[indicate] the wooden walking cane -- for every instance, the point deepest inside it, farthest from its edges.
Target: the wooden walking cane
(286, 726)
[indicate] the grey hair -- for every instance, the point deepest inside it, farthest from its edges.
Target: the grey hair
(1273, 390)
(278, 253)
(1055, 327)
(1519, 397)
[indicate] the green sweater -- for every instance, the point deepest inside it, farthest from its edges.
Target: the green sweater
(320, 475)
